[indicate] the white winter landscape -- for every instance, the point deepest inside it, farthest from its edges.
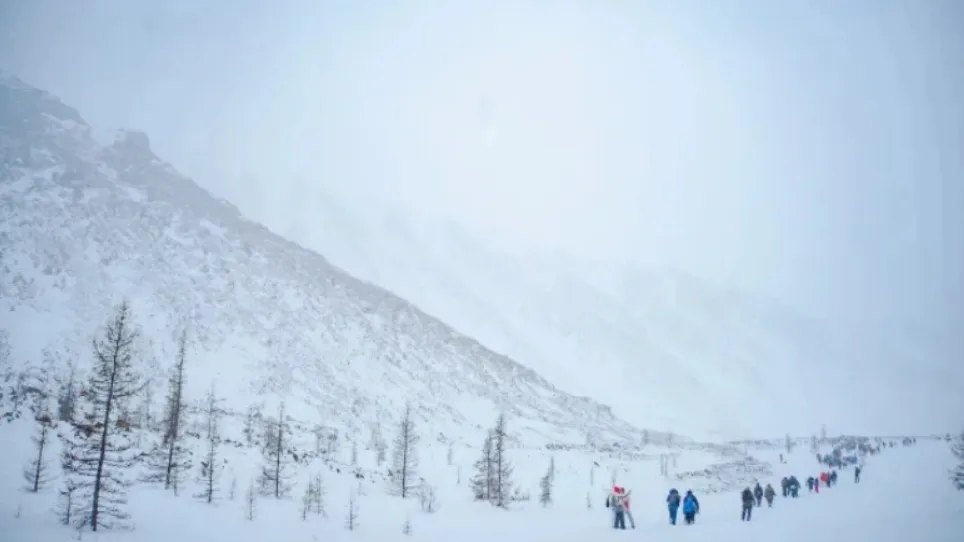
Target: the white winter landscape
(429, 279)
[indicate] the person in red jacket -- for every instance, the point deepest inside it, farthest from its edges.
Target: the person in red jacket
(626, 506)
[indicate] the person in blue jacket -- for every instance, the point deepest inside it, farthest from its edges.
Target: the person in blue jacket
(672, 501)
(691, 507)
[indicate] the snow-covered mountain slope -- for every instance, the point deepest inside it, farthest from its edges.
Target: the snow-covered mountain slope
(649, 342)
(82, 226)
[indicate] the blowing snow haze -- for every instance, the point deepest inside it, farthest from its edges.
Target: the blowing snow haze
(751, 207)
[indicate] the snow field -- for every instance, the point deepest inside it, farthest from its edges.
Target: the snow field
(904, 493)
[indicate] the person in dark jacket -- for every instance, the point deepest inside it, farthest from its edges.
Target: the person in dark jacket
(748, 502)
(758, 494)
(857, 470)
(617, 504)
(783, 485)
(833, 477)
(672, 502)
(769, 493)
(810, 481)
(794, 487)
(691, 507)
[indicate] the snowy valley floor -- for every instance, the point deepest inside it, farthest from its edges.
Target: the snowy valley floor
(905, 496)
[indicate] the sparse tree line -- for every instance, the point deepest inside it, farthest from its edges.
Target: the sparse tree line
(492, 481)
(100, 429)
(98, 434)
(957, 474)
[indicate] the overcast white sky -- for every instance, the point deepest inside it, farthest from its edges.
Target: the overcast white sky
(811, 150)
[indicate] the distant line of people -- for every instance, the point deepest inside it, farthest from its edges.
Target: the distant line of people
(619, 502)
(790, 487)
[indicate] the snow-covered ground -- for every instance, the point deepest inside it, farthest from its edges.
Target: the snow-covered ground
(904, 495)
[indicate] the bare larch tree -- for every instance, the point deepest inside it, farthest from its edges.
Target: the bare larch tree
(35, 474)
(99, 450)
(404, 471)
(318, 493)
(484, 478)
(351, 519)
(502, 489)
(174, 418)
(211, 467)
(67, 396)
(546, 483)
(957, 475)
(250, 502)
(169, 461)
(274, 473)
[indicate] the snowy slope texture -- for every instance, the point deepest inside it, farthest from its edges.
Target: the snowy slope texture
(665, 349)
(84, 226)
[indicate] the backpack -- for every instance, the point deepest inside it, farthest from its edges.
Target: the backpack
(689, 504)
(618, 503)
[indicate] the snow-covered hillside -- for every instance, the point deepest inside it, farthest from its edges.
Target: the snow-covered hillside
(646, 341)
(84, 226)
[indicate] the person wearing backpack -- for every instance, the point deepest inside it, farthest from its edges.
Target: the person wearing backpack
(672, 502)
(758, 493)
(748, 503)
(794, 487)
(769, 493)
(691, 507)
(615, 501)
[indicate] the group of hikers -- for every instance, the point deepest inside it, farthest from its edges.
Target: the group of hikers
(790, 487)
(619, 502)
(755, 498)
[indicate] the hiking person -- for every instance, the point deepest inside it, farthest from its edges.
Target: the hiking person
(769, 494)
(794, 487)
(784, 484)
(672, 502)
(748, 502)
(691, 507)
(627, 509)
(816, 485)
(758, 493)
(616, 503)
(810, 482)
(833, 477)
(857, 469)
